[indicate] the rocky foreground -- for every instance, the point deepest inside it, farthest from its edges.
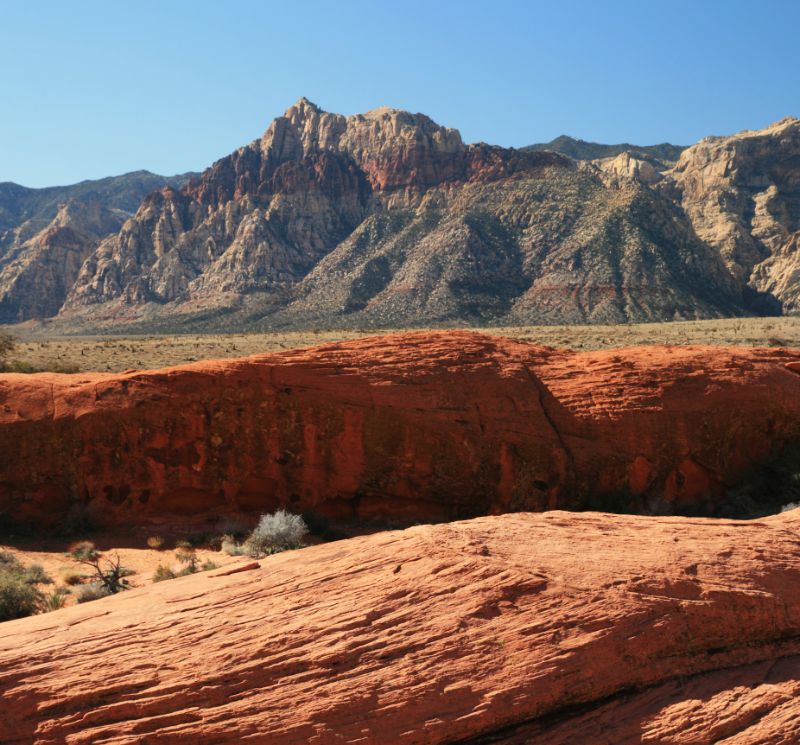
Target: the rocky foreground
(554, 628)
(407, 427)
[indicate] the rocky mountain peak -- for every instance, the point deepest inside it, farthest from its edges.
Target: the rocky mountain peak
(306, 129)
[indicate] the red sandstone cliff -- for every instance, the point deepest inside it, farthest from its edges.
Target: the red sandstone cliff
(671, 630)
(412, 427)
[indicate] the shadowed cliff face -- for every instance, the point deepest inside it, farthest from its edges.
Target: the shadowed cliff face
(550, 629)
(407, 427)
(387, 218)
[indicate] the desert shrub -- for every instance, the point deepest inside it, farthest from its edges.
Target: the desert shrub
(186, 554)
(208, 565)
(72, 578)
(279, 531)
(231, 547)
(18, 366)
(109, 573)
(790, 506)
(7, 559)
(18, 598)
(54, 600)
(162, 573)
(155, 542)
(35, 574)
(32, 575)
(92, 591)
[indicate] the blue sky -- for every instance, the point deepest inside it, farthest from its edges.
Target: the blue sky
(91, 89)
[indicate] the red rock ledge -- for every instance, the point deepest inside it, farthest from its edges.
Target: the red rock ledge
(411, 426)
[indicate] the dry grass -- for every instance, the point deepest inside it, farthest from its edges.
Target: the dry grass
(115, 354)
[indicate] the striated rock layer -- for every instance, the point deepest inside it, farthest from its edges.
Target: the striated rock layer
(412, 426)
(496, 630)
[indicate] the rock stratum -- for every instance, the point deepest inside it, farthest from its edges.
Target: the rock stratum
(554, 629)
(408, 427)
(387, 219)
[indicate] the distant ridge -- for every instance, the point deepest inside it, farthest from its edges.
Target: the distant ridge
(124, 192)
(582, 150)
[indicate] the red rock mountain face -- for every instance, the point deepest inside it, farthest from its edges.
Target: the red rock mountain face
(389, 219)
(551, 629)
(408, 427)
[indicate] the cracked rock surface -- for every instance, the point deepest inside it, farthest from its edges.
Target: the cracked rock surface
(522, 628)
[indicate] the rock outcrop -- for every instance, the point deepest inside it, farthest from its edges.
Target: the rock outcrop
(37, 273)
(742, 194)
(388, 219)
(555, 628)
(407, 427)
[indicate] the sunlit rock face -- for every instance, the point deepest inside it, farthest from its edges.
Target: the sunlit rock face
(742, 194)
(387, 218)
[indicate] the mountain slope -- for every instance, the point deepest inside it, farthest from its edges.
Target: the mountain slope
(388, 218)
(47, 234)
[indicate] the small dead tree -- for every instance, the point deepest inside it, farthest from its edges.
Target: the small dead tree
(109, 571)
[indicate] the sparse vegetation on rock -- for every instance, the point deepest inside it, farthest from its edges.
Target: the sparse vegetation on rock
(109, 572)
(155, 542)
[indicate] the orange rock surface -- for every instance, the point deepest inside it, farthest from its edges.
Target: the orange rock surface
(419, 426)
(500, 629)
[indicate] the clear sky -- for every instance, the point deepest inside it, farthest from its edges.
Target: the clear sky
(91, 88)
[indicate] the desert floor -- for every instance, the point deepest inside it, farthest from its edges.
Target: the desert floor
(117, 353)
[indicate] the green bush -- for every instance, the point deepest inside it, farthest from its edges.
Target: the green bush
(18, 597)
(162, 573)
(54, 600)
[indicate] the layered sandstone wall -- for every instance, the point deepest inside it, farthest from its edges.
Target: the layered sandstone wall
(407, 427)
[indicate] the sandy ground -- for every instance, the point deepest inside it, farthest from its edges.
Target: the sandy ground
(51, 554)
(115, 354)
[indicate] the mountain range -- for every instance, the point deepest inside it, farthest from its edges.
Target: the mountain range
(389, 219)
